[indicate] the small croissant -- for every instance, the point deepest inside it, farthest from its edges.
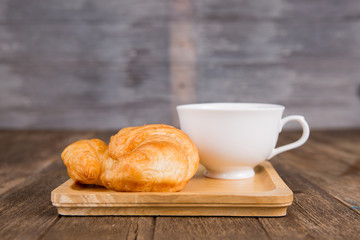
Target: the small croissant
(158, 158)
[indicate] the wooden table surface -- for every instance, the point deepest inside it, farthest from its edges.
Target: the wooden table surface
(324, 175)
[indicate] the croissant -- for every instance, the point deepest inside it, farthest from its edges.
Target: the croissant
(158, 158)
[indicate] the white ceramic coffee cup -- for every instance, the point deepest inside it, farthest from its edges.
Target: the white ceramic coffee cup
(233, 138)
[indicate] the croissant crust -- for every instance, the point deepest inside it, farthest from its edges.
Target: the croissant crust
(155, 157)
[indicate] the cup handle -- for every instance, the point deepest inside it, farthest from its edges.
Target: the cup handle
(298, 143)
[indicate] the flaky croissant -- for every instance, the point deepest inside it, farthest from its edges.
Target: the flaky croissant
(155, 157)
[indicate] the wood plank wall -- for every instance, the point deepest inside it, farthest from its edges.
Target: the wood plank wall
(109, 64)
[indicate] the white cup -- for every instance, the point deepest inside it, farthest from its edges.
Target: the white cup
(232, 138)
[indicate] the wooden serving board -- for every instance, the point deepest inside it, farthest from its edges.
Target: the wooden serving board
(263, 195)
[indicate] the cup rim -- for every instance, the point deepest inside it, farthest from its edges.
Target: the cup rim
(230, 106)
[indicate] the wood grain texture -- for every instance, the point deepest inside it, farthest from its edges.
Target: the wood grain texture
(28, 160)
(322, 207)
(263, 188)
(85, 64)
(25, 209)
(102, 228)
(208, 228)
(41, 147)
(335, 169)
(315, 213)
(281, 52)
(264, 195)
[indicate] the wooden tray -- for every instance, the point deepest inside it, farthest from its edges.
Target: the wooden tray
(264, 195)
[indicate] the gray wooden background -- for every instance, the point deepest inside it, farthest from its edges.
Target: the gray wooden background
(114, 63)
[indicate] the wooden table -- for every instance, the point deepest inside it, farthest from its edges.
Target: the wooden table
(324, 175)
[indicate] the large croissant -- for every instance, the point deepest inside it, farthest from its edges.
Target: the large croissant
(149, 158)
